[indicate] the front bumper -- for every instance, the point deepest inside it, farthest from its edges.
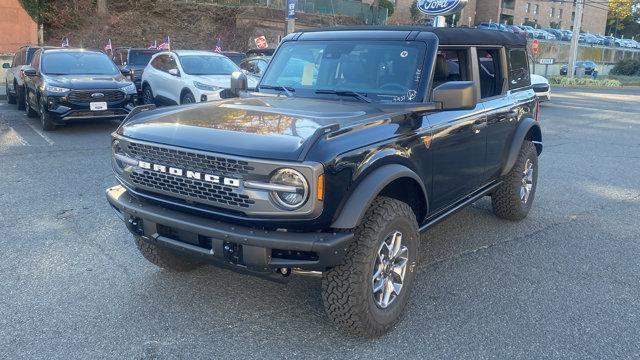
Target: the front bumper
(61, 111)
(228, 244)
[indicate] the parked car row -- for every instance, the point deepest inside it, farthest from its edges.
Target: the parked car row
(61, 85)
(561, 35)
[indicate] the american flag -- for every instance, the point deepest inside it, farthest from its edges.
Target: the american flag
(65, 42)
(166, 45)
(218, 47)
(153, 46)
(108, 47)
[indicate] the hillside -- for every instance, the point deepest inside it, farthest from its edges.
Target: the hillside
(190, 25)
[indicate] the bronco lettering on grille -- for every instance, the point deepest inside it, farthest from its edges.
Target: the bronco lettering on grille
(216, 179)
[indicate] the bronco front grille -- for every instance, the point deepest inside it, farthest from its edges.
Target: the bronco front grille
(85, 97)
(189, 160)
(190, 189)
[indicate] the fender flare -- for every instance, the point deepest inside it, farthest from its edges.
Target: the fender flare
(368, 189)
(516, 143)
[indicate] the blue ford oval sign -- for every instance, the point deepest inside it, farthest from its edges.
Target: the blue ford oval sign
(441, 7)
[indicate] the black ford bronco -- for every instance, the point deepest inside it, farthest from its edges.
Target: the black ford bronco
(355, 142)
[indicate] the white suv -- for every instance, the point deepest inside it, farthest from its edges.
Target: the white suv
(186, 76)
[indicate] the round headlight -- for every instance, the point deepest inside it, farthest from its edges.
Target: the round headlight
(294, 191)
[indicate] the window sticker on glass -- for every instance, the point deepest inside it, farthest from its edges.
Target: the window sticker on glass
(404, 53)
(307, 75)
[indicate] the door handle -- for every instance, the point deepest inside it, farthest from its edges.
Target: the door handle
(479, 125)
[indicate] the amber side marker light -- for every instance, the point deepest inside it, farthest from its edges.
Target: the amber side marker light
(320, 190)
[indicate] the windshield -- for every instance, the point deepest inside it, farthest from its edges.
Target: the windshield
(379, 70)
(207, 65)
(140, 57)
(78, 63)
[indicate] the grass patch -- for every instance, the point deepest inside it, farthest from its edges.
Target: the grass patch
(585, 81)
(625, 80)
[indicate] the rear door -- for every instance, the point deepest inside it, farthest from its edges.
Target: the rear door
(497, 102)
(458, 138)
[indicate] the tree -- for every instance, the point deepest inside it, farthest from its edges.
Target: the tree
(622, 14)
(388, 5)
(416, 14)
(102, 6)
(37, 9)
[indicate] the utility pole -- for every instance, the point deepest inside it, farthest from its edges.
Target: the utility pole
(573, 52)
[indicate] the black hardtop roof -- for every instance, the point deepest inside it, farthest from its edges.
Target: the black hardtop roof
(446, 36)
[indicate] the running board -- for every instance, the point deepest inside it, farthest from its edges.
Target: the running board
(459, 206)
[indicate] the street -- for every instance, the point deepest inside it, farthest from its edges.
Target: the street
(563, 283)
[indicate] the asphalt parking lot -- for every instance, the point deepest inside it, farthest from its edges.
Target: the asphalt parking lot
(564, 283)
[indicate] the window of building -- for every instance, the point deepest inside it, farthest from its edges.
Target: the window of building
(519, 69)
(553, 12)
(559, 13)
(536, 9)
(527, 7)
(490, 72)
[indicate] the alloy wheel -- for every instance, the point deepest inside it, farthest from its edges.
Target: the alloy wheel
(389, 270)
(527, 182)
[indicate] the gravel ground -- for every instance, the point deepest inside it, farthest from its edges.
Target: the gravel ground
(563, 283)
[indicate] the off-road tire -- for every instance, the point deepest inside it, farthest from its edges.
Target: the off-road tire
(11, 99)
(26, 107)
(164, 258)
(187, 98)
(347, 291)
(505, 199)
(20, 96)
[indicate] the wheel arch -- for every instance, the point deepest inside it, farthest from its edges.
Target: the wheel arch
(528, 129)
(184, 91)
(393, 180)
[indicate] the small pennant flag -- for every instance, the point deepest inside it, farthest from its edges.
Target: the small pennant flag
(218, 47)
(65, 42)
(166, 45)
(108, 47)
(153, 46)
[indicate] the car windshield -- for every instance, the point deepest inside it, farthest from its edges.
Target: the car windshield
(379, 70)
(78, 63)
(140, 57)
(207, 65)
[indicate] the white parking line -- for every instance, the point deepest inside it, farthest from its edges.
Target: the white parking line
(10, 137)
(42, 135)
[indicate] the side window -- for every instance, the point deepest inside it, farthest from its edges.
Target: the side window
(35, 62)
(490, 72)
(171, 63)
(518, 69)
(451, 65)
(159, 62)
(249, 66)
(262, 66)
(16, 59)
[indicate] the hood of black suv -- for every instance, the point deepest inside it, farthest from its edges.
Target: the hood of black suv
(263, 127)
(88, 82)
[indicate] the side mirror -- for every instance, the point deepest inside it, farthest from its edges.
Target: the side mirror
(125, 72)
(456, 95)
(30, 72)
(238, 83)
(174, 72)
(6, 65)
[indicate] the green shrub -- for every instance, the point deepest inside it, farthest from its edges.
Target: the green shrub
(585, 81)
(628, 67)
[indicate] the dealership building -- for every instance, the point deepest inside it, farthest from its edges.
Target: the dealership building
(546, 13)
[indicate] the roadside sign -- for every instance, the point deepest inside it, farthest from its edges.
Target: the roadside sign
(535, 46)
(261, 42)
(291, 9)
(546, 61)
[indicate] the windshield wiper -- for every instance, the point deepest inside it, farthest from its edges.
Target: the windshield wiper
(287, 89)
(358, 95)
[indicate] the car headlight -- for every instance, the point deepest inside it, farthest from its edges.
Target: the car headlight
(129, 89)
(294, 191)
(55, 89)
(206, 87)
